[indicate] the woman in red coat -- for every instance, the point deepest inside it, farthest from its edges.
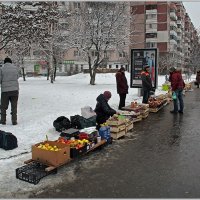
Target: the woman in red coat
(177, 85)
(122, 86)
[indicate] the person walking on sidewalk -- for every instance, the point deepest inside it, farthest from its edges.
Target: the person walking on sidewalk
(146, 84)
(177, 86)
(9, 90)
(197, 79)
(122, 87)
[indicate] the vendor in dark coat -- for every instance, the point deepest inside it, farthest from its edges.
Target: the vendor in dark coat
(122, 86)
(198, 78)
(103, 110)
(146, 84)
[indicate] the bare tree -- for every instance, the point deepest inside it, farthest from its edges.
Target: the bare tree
(97, 27)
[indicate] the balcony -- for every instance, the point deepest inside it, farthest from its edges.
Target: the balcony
(154, 11)
(151, 40)
(179, 37)
(172, 32)
(173, 16)
(179, 30)
(151, 30)
(173, 23)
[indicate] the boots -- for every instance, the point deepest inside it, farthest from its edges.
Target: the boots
(14, 119)
(3, 119)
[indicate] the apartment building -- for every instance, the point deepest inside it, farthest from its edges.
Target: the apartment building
(72, 61)
(166, 26)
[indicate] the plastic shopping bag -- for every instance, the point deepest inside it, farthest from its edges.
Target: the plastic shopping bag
(174, 97)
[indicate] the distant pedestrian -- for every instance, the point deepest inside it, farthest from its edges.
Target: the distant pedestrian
(146, 84)
(177, 86)
(9, 90)
(197, 79)
(122, 87)
(103, 110)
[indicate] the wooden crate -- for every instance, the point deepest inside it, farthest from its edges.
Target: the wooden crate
(129, 127)
(118, 135)
(116, 129)
(115, 123)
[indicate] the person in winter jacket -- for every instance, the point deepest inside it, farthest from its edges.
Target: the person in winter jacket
(103, 110)
(146, 84)
(177, 86)
(9, 90)
(122, 86)
(198, 78)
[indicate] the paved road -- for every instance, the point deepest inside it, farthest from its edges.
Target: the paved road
(159, 159)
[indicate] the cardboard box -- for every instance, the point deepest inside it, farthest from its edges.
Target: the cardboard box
(51, 158)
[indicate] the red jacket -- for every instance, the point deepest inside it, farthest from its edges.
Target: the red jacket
(122, 85)
(176, 80)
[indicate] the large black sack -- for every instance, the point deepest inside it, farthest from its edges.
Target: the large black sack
(62, 123)
(80, 122)
(8, 141)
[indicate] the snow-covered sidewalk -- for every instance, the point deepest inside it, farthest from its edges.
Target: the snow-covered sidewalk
(40, 103)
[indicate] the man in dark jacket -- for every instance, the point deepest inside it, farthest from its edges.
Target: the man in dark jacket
(122, 86)
(103, 110)
(146, 84)
(177, 86)
(9, 90)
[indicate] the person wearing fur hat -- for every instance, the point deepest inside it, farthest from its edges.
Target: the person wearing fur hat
(146, 84)
(122, 87)
(9, 90)
(103, 110)
(177, 86)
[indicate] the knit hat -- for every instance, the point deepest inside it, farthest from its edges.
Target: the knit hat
(107, 95)
(146, 66)
(122, 69)
(7, 60)
(172, 69)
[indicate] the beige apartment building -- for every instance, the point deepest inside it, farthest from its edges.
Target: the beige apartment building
(166, 26)
(72, 61)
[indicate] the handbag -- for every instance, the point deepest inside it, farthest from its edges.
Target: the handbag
(174, 97)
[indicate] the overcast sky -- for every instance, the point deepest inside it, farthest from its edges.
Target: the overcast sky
(193, 9)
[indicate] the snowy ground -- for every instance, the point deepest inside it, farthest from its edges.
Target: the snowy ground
(40, 103)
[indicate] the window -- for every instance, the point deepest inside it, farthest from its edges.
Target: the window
(117, 66)
(151, 35)
(94, 53)
(110, 66)
(151, 44)
(60, 68)
(122, 54)
(77, 5)
(151, 7)
(76, 53)
(151, 26)
(173, 37)
(151, 16)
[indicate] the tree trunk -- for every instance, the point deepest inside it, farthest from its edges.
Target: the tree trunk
(91, 71)
(48, 73)
(51, 71)
(55, 68)
(23, 74)
(92, 77)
